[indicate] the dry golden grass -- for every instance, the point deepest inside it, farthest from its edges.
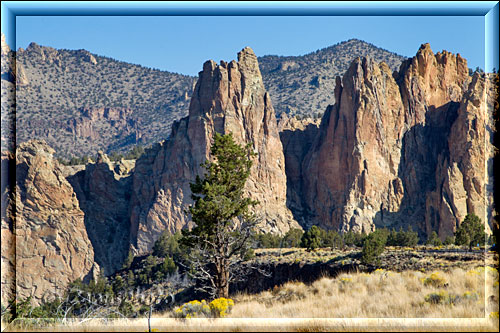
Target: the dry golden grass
(380, 301)
(381, 294)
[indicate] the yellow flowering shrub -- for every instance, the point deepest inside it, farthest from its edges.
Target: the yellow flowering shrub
(470, 295)
(435, 280)
(494, 315)
(345, 279)
(220, 307)
(193, 309)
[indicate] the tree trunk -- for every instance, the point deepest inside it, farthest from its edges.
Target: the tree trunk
(222, 280)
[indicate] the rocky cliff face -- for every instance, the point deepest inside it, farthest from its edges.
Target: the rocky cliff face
(227, 98)
(400, 147)
(103, 192)
(353, 164)
(51, 243)
(93, 120)
(8, 256)
(461, 175)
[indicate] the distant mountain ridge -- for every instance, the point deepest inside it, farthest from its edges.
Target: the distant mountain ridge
(304, 85)
(79, 102)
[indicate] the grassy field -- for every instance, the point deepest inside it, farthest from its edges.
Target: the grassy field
(448, 300)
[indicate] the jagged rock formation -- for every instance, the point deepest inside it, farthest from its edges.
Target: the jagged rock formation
(352, 167)
(227, 98)
(103, 192)
(461, 172)
(402, 149)
(296, 136)
(51, 244)
(56, 87)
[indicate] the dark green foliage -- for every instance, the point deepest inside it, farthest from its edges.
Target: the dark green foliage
(219, 196)
(434, 239)
(135, 153)
(130, 279)
(374, 245)
(115, 156)
(267, 241)
(75, 160)
(353, 239)
(168, 246)
(167, 267)
(224, 224)
(132, 154)
(402, 238)
(96, 292)
(17, 310)
(471, 232)
(311, 239)
(332, 239)
(249, 254)
(292, 238)
(128, 261)
(118, 285)
(449, 240)
(126, 308)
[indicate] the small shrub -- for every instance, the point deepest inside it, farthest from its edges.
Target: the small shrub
(220, 307)
(470, 296)
(441, 297)
(292, 238)
(434, 239)
(449, 240)
(193, 309)
(435, 280)
(373, 246)
(311, 239)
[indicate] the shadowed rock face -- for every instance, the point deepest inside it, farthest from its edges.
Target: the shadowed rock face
(229, 97)
(401, 149)
(51, 243)
(103, 192)
(297, 137)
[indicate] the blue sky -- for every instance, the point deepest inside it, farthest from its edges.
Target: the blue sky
(182, 43)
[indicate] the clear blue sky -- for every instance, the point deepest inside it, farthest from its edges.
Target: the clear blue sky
(182, 43)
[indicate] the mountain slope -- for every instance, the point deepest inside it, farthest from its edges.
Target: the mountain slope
(304, 85)
(81, 102)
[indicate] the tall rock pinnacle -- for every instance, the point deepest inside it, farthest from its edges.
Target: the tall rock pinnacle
(229, 97)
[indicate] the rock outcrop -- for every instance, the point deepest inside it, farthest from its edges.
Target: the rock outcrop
(93, 120)
(352, 168)
(229, 97)
(461, 172)
(51, 243)
(402, 148)
(8, 255)
(103, 192)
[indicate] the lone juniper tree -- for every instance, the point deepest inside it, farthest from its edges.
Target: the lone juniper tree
(224, 224)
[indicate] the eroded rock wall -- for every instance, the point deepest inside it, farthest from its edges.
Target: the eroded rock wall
(403, 148)
(52, 247)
